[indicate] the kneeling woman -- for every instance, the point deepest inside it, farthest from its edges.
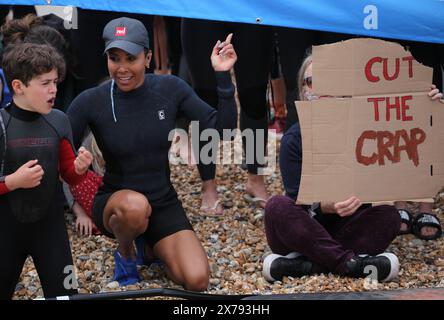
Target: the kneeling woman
(131, 118)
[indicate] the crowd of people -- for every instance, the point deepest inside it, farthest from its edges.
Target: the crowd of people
(106, 134)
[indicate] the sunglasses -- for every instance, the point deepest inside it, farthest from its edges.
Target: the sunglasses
(308, 82)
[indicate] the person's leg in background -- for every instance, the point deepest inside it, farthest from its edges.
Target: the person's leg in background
(276, 93)
(88, 48)
(293, 45)
(198, 39)
(254, 47)
(172, 28)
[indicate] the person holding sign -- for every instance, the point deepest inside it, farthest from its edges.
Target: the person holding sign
(346, 238)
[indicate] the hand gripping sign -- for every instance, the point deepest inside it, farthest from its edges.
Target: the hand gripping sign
(378, 136)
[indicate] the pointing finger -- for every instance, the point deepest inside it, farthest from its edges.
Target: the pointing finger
(228, 39)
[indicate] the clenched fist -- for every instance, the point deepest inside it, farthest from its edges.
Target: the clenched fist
(83, 161)
(27, 176)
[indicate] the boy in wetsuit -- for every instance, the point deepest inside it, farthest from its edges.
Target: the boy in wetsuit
(35, 148)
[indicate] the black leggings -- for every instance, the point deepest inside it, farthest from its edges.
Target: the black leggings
(254, 48)
(46, 241)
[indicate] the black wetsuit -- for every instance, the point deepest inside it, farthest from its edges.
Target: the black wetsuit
(32, 220)
(135, 145)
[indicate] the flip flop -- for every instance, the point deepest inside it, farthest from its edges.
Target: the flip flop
(211, 211)
(407, 218)
(256, 201)
(424, 219)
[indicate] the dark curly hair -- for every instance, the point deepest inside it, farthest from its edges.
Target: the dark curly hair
(33, 29)
(24, 61)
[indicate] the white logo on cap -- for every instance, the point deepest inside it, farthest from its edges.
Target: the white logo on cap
(161, 114)
(120, 32)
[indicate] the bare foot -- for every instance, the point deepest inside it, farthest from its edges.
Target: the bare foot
(210, 198)
(428, 231)
(404, 227)
(256, 188)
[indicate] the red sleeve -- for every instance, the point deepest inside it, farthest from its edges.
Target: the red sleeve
(3, 188)
(66, 163)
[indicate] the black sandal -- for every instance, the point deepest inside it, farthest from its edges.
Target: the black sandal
(426, 220)
(407, 218)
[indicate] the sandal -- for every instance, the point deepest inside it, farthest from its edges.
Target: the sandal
(211, 211)
(407, 218)
(426, 220)
(256, 201)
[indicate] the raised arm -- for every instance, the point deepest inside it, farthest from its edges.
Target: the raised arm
(223, 58)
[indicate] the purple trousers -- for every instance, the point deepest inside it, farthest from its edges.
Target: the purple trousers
(329, 241)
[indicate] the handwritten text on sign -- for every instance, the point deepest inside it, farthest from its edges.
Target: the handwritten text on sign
(389, 144)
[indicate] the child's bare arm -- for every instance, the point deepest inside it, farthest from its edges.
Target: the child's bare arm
(84, 224)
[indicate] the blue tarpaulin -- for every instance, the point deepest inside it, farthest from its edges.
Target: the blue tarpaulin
(418, 20)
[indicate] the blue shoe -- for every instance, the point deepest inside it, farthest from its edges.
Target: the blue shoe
(141, 258)
(125, 270)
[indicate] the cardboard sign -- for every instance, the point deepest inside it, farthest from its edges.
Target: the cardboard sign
(365, 67)
(382, 143)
